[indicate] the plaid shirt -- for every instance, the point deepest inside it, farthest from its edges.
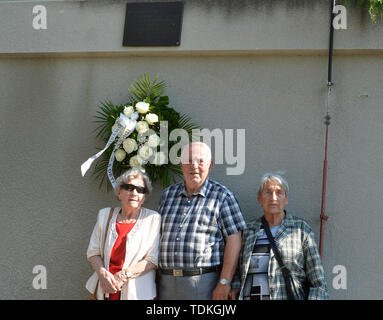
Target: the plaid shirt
(295, 241)
(193, 229)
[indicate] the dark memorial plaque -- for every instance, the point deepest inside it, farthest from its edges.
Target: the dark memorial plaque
(153, 24)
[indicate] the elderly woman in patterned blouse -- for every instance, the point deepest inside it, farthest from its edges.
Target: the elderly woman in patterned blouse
(259, 274)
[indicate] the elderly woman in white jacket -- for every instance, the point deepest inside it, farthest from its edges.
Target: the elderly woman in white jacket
(125, 265)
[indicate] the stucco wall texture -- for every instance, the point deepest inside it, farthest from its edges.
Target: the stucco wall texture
(270, 82)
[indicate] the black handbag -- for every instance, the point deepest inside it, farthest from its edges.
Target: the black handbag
(293, 293)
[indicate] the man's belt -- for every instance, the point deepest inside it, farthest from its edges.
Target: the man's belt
(190, 272)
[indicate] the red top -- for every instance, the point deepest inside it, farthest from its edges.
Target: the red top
(117, 256)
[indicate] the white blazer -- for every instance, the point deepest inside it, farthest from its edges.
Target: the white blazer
(141, 243)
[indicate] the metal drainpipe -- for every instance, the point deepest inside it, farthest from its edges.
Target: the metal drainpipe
(323, 215)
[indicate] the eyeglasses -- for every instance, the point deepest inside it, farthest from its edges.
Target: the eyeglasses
(132, 187)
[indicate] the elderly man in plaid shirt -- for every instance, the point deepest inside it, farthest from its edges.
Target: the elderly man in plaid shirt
(200, 233)
(259, 275)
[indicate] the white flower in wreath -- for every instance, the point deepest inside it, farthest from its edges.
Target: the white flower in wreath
(159, 159)
(120, 155)
(136, 161)
(141, 138)
(129, 145)
(142, 107)
(153, 141)
(142, 126)
(128, 111)
(151, 118)
(145, 152)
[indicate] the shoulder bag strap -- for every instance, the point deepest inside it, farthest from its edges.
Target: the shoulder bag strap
(285, 271)
(106, 232)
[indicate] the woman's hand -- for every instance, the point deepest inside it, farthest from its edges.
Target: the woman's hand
(107, 281)
(120, 278)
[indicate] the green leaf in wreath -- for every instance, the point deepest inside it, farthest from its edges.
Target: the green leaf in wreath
(150, 91)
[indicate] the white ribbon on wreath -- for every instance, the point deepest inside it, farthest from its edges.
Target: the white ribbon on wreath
(126, 126)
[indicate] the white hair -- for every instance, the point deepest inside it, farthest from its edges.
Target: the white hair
(273, 177)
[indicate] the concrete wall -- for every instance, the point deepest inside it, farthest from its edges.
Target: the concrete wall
(257, 66)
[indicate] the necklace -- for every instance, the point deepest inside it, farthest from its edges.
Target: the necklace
(132, 219)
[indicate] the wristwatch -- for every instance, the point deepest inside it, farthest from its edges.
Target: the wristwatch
(224, 281)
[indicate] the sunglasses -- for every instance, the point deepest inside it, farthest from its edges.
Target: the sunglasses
(131, 187)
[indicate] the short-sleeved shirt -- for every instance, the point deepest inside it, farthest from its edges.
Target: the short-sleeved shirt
(194, 229)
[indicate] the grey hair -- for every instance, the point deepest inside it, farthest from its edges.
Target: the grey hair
(132, 174)
(273, 177)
